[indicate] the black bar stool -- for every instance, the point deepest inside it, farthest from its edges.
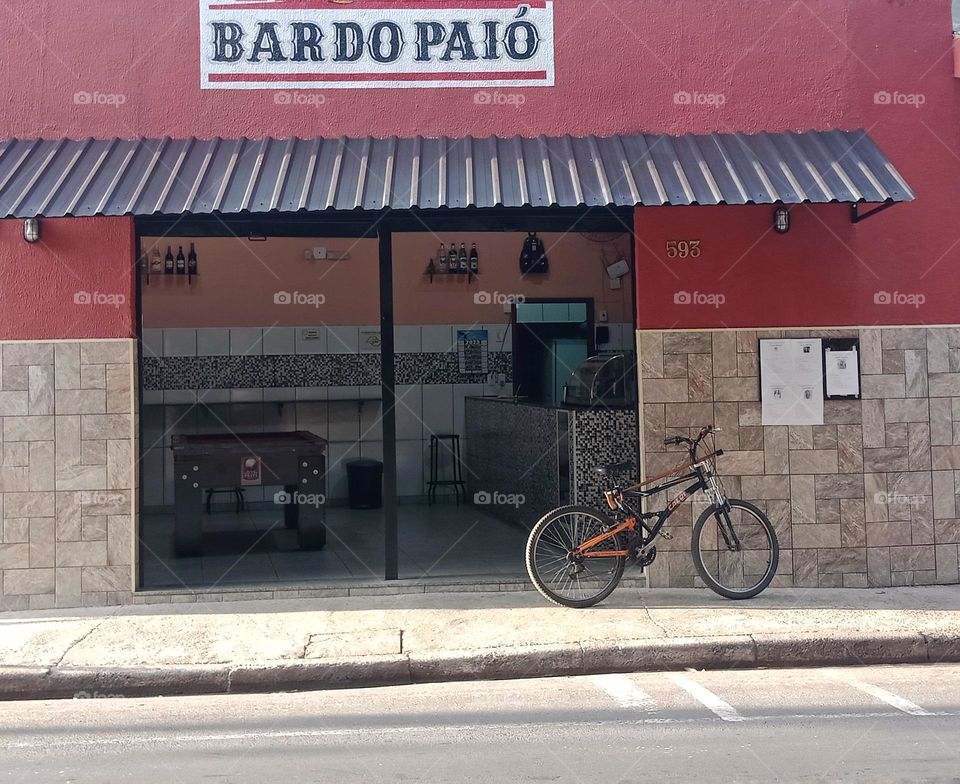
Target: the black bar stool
(456, 482)
(238, 496)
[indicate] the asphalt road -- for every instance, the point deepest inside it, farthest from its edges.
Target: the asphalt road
(874, 724)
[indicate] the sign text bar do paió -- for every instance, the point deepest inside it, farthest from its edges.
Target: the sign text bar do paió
(321, 44)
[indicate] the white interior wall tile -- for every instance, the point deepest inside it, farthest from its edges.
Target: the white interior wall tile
(213, 342)
(152, 342)
(437, 338)
(246, 395)
(344, 421)
(310, 340)
(280, 340)
(371, 450)
(343, 393)
(409, 411)
(460, 393)
(339, 454)
(177, 397)
(369, 340)
(343, 340)
(179, 342)
(437, 408)
(311, 393)
(279, 394)
(406, 339)
(499, 337)
(212, 397)
(410, 477)
(246, 341)
(312, 417)
(152, 397)
(371, 421)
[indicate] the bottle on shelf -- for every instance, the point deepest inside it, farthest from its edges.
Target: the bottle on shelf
(474, 260)
(168, 264)
(192, 261)
(181, 262)
(156, 262)
(453, 263)
(442, 258)
(464, 261)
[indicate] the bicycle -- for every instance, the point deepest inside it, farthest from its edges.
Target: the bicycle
(576, 555)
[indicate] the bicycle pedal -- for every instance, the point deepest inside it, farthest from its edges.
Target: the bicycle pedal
(667, 535)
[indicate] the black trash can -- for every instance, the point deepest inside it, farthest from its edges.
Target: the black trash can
(365, 483)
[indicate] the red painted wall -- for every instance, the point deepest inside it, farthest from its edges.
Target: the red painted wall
(777, 65)
(77, 282)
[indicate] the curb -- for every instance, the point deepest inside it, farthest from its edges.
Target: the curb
(534, 661)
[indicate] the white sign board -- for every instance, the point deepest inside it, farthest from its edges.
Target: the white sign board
(318, 44)
(791, 382)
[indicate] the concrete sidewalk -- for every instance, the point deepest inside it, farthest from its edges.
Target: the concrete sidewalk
(364, 641)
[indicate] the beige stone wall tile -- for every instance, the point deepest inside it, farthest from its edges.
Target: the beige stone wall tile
(945, 457)
(918, 444)
(675, 366)
(817, 536)
(725, 363)
(689, 415)
(108, 352)
(40, 390)
(843, 559)
(741, 463)
(82, 477)
(871, 352)
(665, 390)
(916, 373)
(944, 495)
(756, 488)
(93, 452)
(896, 434)
(120, 540)
(850, 448)
(825, 436)
(28, 428)
(14, 403)
(748, 365)
(80, 401)
(747, 341)
(68, 513)
(105, 578)
(42, 465)
(15, 556)
(67, 365)
(776, 450)
(81, 553)
(750, 414)
(938, 351)
(853, 528)
(906, 410)
(894, 362)
(15, 378)
(813, 461)
(883, 386)
(889, 533)
(911, 558)
(28, 581)
(947, 564)
(94, 528)
(944, 384)
(941, 421)
(886, 460)
(700, 376)
(842, 412)
(736, 389)
(687, 343)
(908, 337)
(119, 394)
(67, 583)
(878, 566)
(115, 426)
(801, 437)
(32, 353)
(16, 529)
(651, 354)
(43, 542)
(803, 500)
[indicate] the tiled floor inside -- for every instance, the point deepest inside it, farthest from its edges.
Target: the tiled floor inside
(254, 547)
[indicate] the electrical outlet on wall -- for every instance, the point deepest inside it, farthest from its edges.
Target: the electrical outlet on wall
(603, 317)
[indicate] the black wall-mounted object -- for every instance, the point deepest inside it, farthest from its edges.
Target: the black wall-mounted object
(533, 257)
(603, 335)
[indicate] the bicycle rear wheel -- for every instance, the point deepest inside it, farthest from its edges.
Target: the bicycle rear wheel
(735, 549)
(557, 573)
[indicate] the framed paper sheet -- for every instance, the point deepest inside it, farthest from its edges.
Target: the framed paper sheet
(791, 381)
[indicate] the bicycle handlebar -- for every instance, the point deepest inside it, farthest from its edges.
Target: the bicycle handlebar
(693, 443)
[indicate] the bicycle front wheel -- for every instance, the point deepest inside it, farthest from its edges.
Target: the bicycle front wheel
(735, 549)
(562, 576)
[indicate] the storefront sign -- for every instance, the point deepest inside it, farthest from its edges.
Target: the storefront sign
(323, 44)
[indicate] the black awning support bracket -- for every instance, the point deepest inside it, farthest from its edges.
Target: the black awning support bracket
(858, 217)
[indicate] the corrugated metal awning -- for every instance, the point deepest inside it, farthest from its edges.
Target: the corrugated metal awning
(171, 176)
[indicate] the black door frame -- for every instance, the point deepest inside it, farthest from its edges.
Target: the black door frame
(383, 225)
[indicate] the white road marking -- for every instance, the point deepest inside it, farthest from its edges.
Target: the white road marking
(898, 702)
(625, 692)
(720, 707)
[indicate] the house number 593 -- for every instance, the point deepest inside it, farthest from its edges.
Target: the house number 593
(683, 249)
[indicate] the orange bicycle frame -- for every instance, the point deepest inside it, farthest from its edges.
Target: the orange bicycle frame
(584, 549)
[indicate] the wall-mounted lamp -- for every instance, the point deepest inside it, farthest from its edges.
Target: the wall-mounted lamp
(31, 230)
(781, 220)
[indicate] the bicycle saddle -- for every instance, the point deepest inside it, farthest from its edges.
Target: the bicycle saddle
(613, 469)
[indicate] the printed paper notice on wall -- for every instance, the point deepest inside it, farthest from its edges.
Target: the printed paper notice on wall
(321, 45)
(791, 382)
